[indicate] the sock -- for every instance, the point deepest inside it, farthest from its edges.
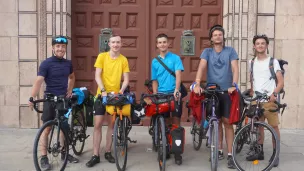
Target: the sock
(221, 150)
(229, 154)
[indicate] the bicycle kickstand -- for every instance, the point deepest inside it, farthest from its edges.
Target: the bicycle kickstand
(132, 141)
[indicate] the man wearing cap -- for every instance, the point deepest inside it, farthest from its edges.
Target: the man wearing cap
(57, 73)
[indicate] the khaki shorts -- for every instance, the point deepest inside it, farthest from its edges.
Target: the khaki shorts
(272, 117)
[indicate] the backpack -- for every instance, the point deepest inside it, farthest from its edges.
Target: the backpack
(273, 74)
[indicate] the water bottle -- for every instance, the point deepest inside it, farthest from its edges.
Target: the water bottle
(205, 126)
(104, 100)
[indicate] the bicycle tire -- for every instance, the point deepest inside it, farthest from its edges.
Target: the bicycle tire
(36, 143)
(194, 131)
(82, 137)
(274, 136)
(162, 151)
(214, 145)
(241, 142)
(120, 137)
(155, 134)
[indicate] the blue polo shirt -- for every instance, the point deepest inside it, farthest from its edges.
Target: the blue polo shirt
(166, 82)
(56, 74)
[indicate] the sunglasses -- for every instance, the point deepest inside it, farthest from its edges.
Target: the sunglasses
(61, 40)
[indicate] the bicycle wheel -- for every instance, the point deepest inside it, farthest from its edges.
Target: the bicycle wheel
(161, 143)
(120, 143)
(252, 157)
(153, 133)
(214, 145)
(52, 147)
(196, 132)
(241, 141)
(78, 130)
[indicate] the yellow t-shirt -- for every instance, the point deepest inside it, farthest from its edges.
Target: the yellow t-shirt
(112, 70)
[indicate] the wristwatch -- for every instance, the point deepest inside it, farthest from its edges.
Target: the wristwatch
(103, 90)
(275, 94)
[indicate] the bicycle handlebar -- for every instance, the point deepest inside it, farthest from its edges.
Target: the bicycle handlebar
(51, 98)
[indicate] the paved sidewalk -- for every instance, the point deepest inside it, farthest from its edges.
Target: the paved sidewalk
(16, 146)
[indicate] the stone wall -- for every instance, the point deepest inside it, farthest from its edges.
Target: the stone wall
(25, 41)
(281, 21)
(27, 27)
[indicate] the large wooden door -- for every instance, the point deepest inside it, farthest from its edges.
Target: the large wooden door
(172, 17)
(126, 18)
(139, 22)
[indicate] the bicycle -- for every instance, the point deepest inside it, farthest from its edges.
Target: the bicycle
(115, 104)
(158, 105)
(199, 129)
(250, 135)
(63, 108)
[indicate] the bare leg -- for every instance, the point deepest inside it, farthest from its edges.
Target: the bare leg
(109, 132)
(229, 134)
(97, 135)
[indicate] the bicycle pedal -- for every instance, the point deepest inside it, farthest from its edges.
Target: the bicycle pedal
(87, 136)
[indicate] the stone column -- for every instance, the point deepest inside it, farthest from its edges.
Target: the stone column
(289, 43)
(236, 15)
(9, 65)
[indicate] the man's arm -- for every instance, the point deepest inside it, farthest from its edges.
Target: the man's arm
(154, 86)
(37, 85)
(200, 69)
(98, 79)
(71, 82)
(125, 82)
(178, 74)
(235, 71)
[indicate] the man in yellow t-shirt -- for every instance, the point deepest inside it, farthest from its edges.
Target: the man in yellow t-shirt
(110, 66)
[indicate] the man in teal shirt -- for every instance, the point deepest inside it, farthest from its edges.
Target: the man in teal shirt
(164, 82)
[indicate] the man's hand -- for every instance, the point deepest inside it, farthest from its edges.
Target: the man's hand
(103, 94)
(69, 93)
(31, 105)
(175, 94)
(272, 98)
(198, 89)
(251, 93)
(231, 90)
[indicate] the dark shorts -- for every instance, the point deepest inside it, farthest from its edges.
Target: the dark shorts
(175, 114)
(99, 108)
(224, 105)
(49, 112)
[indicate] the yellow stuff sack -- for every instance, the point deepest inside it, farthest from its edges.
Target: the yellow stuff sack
(126, 109)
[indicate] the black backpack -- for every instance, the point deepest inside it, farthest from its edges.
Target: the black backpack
(273, 74)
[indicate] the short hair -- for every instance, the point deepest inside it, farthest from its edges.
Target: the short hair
(114, 35)
(161, 36)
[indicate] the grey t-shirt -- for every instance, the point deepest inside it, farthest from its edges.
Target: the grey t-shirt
(219, 66)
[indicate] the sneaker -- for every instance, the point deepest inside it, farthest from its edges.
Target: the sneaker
(71, 159)
(221, 155)
(255, 156)
(44, 161)
(109, 157)
(94, 160)
(178, 159)
(230, 162)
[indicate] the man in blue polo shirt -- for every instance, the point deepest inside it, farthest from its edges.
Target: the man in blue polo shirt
(59, 77)
(164, 82)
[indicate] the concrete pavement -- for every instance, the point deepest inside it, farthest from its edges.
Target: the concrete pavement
(16, 147)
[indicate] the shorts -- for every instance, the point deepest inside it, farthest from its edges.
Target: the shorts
(222, 106)
(272, 117)
(174, 113)
(49, 112)
(99, 108)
